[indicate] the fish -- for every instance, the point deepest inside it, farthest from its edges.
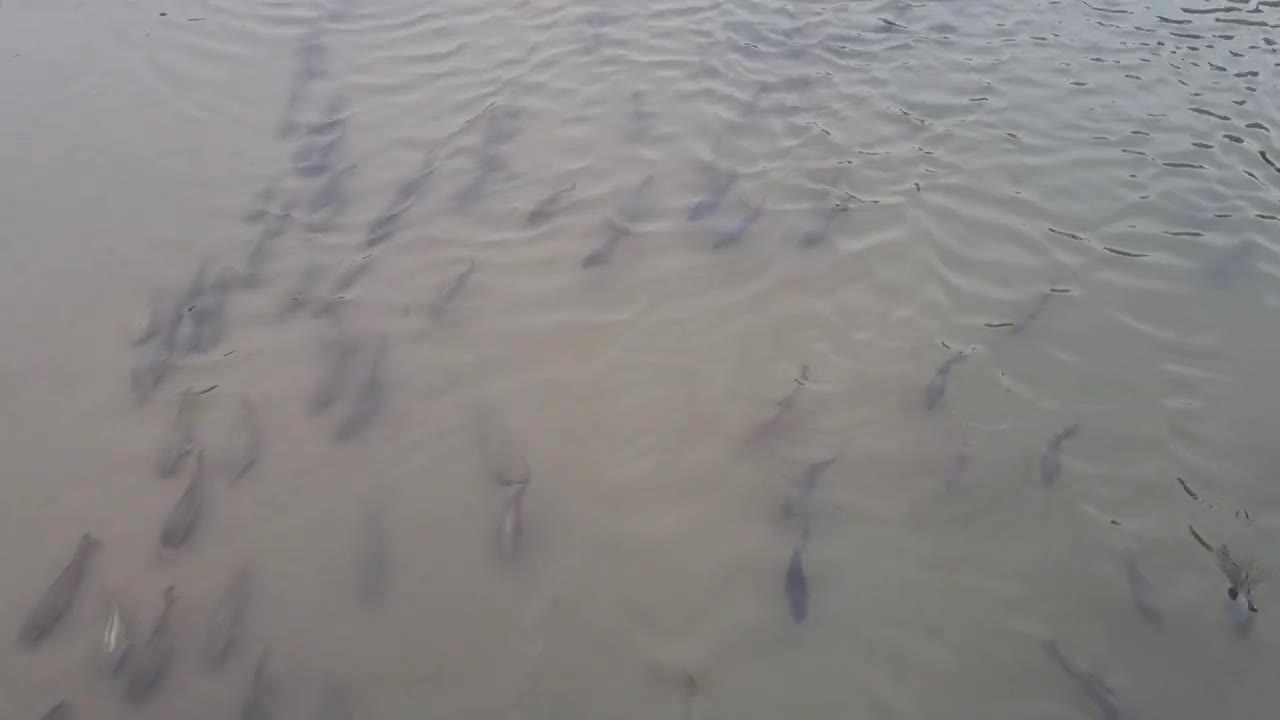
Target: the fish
(304, 293)
(160, 313)
(246, 448)
(1240, 616)
(1240, 578)
(182, 520)
(222, 635)
(369, 395)
(260, 252)
(450, 292)
(501, 451)
(206, 316)
(819, 234)
(1036, 311)
(1226, 270)
(329, 201)
(384, 227)
(735, 234)
(549, 206)
(259, 702)
(800, 489)
(511, 527)
(115, 642)
(795, 585)
(156, 356)
(1088, 683)
(342, 283)
(958, 468)
(604, 252)
(1141, 592)
(60, 596)
(319, 152)
(1051, 457)
(487, 170)
(335, 702)
(639, 118)
(781, 414)
(634, 203)
(371, 585)
(150, 665)
(502, 128)
(180, 437)
(336, 377)
(937, 386)
(712, 199)
(61, 710)
(262, 204)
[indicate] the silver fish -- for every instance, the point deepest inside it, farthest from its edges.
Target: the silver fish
(185, 515)
(59, 596)
(227, 621)
(511, 527)
(150, 665)
(115, 642)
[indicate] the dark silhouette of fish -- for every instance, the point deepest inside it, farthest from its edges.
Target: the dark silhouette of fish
(639, 118)
(336, 378)
(150, 665)
(59, 596)
(371, 585)
(619, 225)
(1228, 268)
(819, 234)
(1036, 311)
(369, 395)
(450, 292)
(320, 151)
(335, 702)
(246, 450)
(260, 699)
(502, 453)
(182, 520)
(503, 127)
(800, 489)
(260, 252)
(937, 386)
(180, 438)
(481, 184)
(604, 252)
(511, 526)
(205, 322)
(1051, 457)
(61, 710)
(549, 206)
(329, 201)
(168, 336)
(342, 284)
(385, 226)
(1141, 592)
(781, 415)
(739, 230)
(305, 292)
(1088, 683)
(795, 584)
(958, 468)
(226, 623)
(714, 196)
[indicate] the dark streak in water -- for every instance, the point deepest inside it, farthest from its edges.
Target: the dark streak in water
(1088, 683)
(1065, 234)
(1124, 253)
(369, 395)
(1209, 113)
(549, 206)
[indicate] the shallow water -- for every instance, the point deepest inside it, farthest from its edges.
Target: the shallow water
(927, 172)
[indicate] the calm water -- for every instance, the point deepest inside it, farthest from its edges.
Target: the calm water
(1084, 198)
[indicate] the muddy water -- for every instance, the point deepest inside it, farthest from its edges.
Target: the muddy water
(331, 206)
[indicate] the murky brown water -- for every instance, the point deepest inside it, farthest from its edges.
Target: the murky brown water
(856, 188)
